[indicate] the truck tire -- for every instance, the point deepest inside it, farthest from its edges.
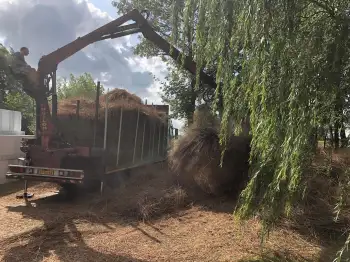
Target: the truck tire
(69, 191)
(93, 170)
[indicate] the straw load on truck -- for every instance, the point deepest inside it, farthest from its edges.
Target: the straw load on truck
(135, 130)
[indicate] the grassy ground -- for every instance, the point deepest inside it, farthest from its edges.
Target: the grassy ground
(146, 219)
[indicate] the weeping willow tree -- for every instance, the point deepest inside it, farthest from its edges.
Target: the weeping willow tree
(294, 75)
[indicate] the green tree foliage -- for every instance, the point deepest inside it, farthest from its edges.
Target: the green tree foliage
(294, 78)
(19, 101)
(11, 95)
(7, 80)
(4, 73)
(82, 86)
(178, 91)
(160, 20)
(181, 93)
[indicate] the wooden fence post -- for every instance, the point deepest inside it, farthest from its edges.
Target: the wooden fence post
(150, 139)
(97, 107)
(77, 112)
(137, 129)
(153, 139)
(119, 135)
(106, 123)
(143, 138)
(159, 129)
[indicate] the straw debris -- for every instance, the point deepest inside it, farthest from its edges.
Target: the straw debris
(324, 212)
(144, 196)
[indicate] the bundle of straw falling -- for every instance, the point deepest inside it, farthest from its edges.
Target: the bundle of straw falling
(195, 160)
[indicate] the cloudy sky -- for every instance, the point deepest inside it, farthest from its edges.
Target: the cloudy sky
(45, 25)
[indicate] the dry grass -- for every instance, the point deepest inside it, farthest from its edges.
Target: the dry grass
(314, 217)
(144, 196)
(118, 98)
(146, 219)
(117, 95)
(203, 117)
(195, 160)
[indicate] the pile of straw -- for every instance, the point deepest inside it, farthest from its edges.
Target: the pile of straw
(117, 95)
(315, 215)
(168, 201)
(117, 99)
(147, 193)
(195, 161)
(203, 117)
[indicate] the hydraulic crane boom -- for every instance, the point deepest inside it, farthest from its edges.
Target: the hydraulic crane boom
(48, 64)
(114, 29)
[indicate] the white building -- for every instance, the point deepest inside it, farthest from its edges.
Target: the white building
(10, 140)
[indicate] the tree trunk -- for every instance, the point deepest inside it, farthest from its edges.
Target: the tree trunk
(343, 140)
(331, 135)
(338, 56)
(192, 106)
(314, 139)
(336, 134)
(2, 97)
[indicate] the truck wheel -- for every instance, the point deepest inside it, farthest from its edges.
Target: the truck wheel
(69, 191)
(92, 167)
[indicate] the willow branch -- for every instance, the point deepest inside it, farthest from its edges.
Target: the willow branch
(324, 6)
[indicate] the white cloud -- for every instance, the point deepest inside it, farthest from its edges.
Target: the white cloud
(45, 25)
(98, 12)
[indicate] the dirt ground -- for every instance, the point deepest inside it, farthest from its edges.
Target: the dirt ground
(130, 224)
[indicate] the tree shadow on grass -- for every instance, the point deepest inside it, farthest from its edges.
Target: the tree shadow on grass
(12, 187)
(314, 224)
(330, 253)
(59, 236)
(314, 217)
(282, 256)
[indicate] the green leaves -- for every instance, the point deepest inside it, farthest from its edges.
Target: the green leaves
(11, 95)
(283, 63)
(295, 59)
(82, 86)
(179, 94)
(19, 101)
(7, 80)
(167, 17)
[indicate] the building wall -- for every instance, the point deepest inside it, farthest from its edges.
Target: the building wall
(10, 140)
(9, 153)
